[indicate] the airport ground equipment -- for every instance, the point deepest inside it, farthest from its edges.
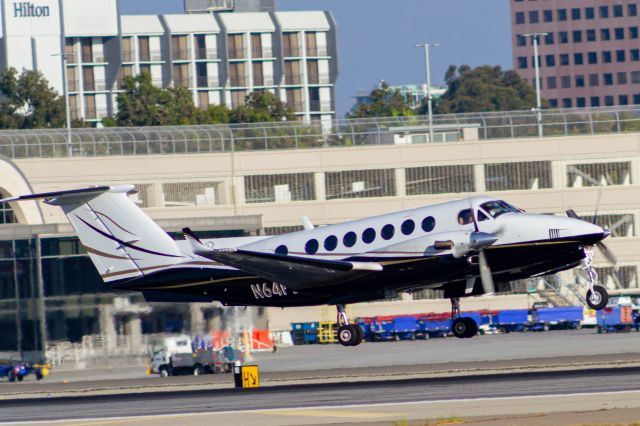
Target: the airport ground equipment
(304, 333)
(560, 318)
(246, 376)
(512, 320)
(327, 332)
(17, 371)
(433, 325)
(615, 318)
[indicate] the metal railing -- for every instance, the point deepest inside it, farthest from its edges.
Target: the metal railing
(317, 51)
(94, 85)
(150, 56)
(292, 52)
(182, 55)
(297, 135)
(237, 53)
(292, 79)
(263, 52)
(318, 78)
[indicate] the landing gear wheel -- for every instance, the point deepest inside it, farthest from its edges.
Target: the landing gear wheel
(347, 335)
(464, 327)
(598, 298)
(359, 334)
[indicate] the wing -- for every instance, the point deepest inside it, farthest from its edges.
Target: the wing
(295, 272)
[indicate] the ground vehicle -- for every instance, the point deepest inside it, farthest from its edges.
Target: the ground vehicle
(17, 371)
(174, 356)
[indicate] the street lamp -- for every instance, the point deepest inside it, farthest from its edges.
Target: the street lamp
(65, 87)
(426, 47)
(536, 64)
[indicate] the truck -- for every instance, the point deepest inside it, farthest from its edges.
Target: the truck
(615, 318)
(17, 371)
(174, 356)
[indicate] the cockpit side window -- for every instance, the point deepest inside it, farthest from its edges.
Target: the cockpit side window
(495, 208)
(481, 216)
(465, 217)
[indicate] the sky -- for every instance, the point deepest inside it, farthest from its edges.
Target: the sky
(376, 38)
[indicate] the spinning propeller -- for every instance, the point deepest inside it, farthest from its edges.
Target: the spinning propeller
(604, 249)
(480, 241)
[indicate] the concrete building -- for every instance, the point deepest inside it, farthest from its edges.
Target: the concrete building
(240, 180)
(590, 55)
(220, 51)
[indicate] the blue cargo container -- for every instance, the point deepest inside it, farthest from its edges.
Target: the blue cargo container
(404, 328)
(566, 317)
(427, 328)
(513, 320)
(614, 318)
(304, 333)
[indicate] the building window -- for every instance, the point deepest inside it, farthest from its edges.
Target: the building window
(594, 80)
(547, 15)
(606, 57)
(521, 40)
(623, 100)
(591, 35)
(256, 46)
(518, 176)
(605, 34)
(143, 49)
(439, 179)
(313, 50)
(604, 12)
(593, 57)
(577, 36)
(294, 100)
(635, 55)
(519, 18)
(291, 43)
(551, 60)
(575, 14)
(238, 98)
(564, 59)
(595, 101)
(548, 39)
(235, 44)
(86, 45)
(632, 9)
(635, 77)
(636, 99)
(90, 107)
(69, 51)
(622, 77)
(534, 17)
(619, 33)
(562, 14)
(621, 56)
(578, 59)
(581, 102)
(180, 48)
(633, 33)
(551, 82)
(589, 13)
(565, 81)
(579, 81)
(313, 76)
(553, 103)
(617, 11)
(237, 74)
(608, 79)
(522, 62)
(564, 37)
(608, 100)
(292, 73)
(567, 103)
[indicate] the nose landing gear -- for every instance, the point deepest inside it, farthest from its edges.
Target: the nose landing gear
(461, 327)
(597, 295)
(348, 334)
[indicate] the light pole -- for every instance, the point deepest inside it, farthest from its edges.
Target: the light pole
(536, 64)
(65, 87)
(426, 47)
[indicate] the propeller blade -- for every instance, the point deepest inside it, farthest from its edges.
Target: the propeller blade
(608, 254)
(485, 275)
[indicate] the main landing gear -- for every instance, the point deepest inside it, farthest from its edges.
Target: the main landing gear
(348, 334)
(597, 295)
(461, 327)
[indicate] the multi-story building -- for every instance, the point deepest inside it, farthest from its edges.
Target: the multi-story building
(589, 56)
(220, 51)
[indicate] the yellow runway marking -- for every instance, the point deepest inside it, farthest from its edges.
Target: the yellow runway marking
(330, 413)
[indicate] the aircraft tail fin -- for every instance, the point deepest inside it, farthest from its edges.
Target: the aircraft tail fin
(122, 241)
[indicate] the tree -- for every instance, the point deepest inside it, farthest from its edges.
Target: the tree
(485, 88)
(28, 101)
(383, 102)
(261, 106)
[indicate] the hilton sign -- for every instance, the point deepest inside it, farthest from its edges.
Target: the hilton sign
(29, 10)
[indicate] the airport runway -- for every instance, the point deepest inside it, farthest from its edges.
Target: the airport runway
(289, 397)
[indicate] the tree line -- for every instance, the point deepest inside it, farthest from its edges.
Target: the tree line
(27, 101)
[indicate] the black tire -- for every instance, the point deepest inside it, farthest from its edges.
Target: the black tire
(597, 299)
(459, 327)
(359, 334)
(472, 328)
(20, 378)
(346, 335)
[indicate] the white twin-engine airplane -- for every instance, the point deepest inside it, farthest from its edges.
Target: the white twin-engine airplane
(466, 247)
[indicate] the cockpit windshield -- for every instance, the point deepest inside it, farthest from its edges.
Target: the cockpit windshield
(497, 208)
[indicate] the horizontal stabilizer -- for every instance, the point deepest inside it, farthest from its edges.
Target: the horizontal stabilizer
(292, 271)
(71, 196)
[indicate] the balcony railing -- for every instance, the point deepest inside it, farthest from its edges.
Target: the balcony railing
(94, 85)
(266, 80)
(73, 85)
(317, 51)
(181, 55)
(92, 113)
(206, 54)
(237, 53)
(292, 79)
(151, 56)
(128, 56)
(182, 82)
(96, 58)
(238, 81)
(207, 81)
(296, 106)
(320, 106)
(72, 58)
(292, 52)
(318, 79)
